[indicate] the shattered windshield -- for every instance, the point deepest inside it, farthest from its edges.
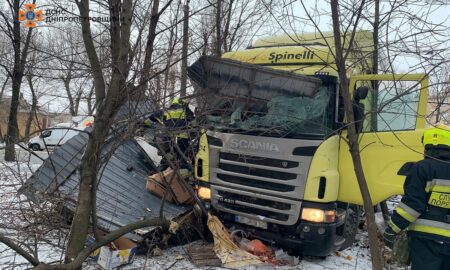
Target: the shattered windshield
(284, 115)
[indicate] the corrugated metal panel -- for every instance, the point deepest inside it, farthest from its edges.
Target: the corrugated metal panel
(238, 79)
(121, 196)
(61, 164)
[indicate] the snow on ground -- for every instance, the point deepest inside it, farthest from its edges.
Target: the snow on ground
(14, 209)
(12, 175)
(356, 257)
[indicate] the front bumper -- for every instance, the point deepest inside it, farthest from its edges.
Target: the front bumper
(303, 238)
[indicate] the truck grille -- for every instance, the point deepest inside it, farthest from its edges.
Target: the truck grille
(253, 200)
(254, 183)
(259, 160)
(259, 212)
(257, 172)
(256, 206)
(259, 188)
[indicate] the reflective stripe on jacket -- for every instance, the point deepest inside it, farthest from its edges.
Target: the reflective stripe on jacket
(177, 114)
(176, 117)
(425, 207)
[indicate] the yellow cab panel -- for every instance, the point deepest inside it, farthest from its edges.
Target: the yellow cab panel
(395, 112)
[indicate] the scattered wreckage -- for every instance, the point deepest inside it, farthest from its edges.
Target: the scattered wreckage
(131, 188)
(132, 164)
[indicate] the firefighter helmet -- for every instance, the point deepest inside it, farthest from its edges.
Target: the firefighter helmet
(437, 136)
(177, 101)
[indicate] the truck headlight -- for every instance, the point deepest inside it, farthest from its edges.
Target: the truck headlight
(318, 215)
(204, 193)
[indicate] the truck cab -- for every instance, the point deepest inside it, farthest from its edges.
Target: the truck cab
(274, 159)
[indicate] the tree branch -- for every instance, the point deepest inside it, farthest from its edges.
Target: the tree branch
(10, 243)
(84, 254)
(99, 81)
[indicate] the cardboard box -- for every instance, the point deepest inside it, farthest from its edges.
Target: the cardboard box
(158, 185)
(118, 253)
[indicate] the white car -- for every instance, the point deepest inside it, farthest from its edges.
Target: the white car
(51, 137)
(59, 134)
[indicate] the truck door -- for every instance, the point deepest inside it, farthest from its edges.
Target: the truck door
(394, 119)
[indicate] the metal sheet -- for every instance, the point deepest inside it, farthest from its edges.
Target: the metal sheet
(238, 79)
(121, 197)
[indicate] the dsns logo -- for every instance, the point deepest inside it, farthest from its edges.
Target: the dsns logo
(30, 15)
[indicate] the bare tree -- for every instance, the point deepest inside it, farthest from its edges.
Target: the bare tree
(72, 68)
(2, 91)
(353, 135)
(20, 57)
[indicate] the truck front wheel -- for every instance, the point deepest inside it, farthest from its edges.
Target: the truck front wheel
(349, 229)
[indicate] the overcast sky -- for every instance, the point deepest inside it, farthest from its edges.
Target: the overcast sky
(436, 14)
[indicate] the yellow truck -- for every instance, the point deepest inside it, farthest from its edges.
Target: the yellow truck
(273, 160)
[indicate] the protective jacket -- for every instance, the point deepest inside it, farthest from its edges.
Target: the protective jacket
(176, 116)
(425, 207)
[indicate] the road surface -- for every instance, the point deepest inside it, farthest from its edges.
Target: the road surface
(24, 156)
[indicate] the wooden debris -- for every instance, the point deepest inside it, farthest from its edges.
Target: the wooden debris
(203, 255)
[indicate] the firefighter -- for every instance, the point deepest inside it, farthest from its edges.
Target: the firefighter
(176, 118)
(425, 208)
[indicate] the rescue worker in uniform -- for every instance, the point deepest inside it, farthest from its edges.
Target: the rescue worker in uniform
(425, 208)
(176, 118)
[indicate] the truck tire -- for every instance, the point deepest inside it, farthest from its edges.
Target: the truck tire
(350, 227)
(35, 147)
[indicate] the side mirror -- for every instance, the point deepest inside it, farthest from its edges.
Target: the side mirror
(358, 108)
(360, 93)
(45, 134)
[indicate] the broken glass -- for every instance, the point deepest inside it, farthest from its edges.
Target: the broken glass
(287, 114)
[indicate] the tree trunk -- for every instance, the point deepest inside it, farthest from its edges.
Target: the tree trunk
(184, 53)
(1, 95)
(146, 70)
(32, 109)
(226, 32)
(66, 82)
(375, 58)
(218, 49)
(12, 133)
(107, 104)
(77, 101)
(4, 86)
(88, 176)
(353, 139)
(167, 84)
(89, 101)
(374, 113)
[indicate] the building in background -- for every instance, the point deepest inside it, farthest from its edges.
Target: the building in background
(57, 118)
(23, 112)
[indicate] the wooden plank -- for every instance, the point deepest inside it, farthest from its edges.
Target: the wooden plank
(203, 255)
